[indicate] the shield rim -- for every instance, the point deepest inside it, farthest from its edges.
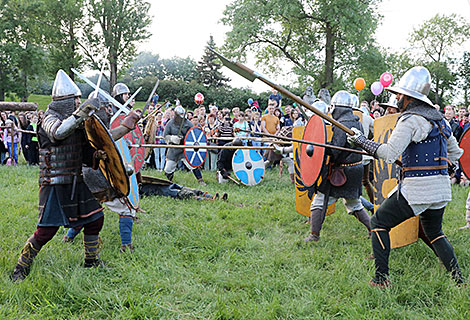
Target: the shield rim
(118, 155)
(462, 166)
(199, 150)
(264, 171)
(312, 123)
(140, 150)
(151, 127)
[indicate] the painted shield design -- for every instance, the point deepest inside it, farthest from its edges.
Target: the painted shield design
(248, 166)
(113, 167)
(303, 194)
(385, 180)
(465, 158)
(135, 137)
(133, 195)
(310, 166)
(195, 137)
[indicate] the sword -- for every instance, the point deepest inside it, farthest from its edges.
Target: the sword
(253, 75)
(95, 93)
(121, 107)
(150, 97)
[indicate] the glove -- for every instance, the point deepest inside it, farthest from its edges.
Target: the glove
(174, 139)
(354, 139)
(359, 140)
(130, 120)
(86, 109)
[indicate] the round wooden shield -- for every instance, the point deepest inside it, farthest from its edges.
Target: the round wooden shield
(195, 137)
(149, 135)
(311, 165)
(248, 166)
(113, 167)
(132, 138)
(465, 158)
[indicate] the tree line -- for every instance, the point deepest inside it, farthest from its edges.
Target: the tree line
(327, 43)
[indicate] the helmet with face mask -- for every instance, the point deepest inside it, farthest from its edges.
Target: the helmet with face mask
(415, 83)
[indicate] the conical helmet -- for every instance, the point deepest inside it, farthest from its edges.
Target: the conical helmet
(342, 98)
(415, 83)
(120, 88)
(64, 87)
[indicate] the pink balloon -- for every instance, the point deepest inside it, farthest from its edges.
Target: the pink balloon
(386, 79)
(376, 88)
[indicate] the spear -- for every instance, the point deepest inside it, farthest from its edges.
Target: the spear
(251, 75)
(307, 142)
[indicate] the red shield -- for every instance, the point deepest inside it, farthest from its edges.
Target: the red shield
(465, 158)
(132, 138)
(310, 166)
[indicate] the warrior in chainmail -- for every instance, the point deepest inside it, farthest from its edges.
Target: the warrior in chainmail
(64, 199)
(174, 132)
(341, 178)
(424, 140)
(101, 188)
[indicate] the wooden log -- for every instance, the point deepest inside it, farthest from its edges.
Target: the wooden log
(18, 106)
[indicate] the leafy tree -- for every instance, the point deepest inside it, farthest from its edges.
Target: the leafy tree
(318, 37)
(435, 41)
(464, 77)
(208, 69)
(22, 59)
(147, 64)
(122, 23)
(61, 22)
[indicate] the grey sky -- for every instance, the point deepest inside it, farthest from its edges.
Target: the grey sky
(182, 27)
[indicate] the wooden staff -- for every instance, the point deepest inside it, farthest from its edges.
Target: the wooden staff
(251, 75)
(249, 138)
(310, 142)
(230, 177)
(187, 146)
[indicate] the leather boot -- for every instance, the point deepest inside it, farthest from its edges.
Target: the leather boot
(316, 222)
(363, 218)
(92, 245)
(292, 178)
(23, 267)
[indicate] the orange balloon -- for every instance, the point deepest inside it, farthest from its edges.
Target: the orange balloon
(359, 84)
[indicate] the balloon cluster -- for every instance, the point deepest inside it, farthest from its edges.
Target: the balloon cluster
(376, 87)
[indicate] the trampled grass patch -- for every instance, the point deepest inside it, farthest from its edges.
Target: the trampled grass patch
(240, 259)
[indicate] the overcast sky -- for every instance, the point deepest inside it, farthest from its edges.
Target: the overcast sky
(182, 27)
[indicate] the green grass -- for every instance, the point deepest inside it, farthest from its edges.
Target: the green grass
(240, 259)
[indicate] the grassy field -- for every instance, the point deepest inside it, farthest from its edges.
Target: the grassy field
(240, 259)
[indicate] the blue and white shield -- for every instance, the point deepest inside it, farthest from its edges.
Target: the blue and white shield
(248, 166)
(133, 195)
(195, 137)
